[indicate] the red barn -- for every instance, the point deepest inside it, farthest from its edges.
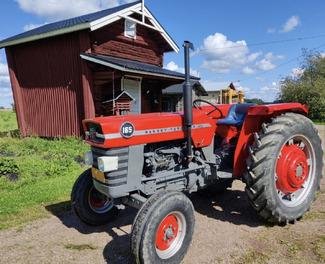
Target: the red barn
(62, 72)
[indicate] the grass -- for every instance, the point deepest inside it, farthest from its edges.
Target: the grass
(253, 256)
(35, 175)
(80, 247)
(8, 121)
(319, 248)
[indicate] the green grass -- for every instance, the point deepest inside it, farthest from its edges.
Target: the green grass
(8, 121)
(36, 176)
(80, 247)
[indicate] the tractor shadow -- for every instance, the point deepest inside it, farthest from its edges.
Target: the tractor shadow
(117, 250)
(232, 206)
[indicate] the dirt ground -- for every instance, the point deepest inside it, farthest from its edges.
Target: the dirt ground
(227, 231)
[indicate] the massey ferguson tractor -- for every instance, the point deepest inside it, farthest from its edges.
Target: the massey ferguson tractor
(149, 161)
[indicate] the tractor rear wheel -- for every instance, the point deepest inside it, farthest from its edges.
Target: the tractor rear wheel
(91, 206)
(163, 228)
(284, 168)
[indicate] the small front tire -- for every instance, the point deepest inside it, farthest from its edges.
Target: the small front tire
(163, 228)
(91, 206)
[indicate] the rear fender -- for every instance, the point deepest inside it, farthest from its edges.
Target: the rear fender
(256, 116)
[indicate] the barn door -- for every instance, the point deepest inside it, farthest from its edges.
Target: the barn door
(133, 88)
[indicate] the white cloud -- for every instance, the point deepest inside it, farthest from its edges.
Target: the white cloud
(5, 93)
(55, 10)
(172, 66)
(290, 24)
(213, 85)
(296, 72)
(271, 30)
(261, 79)
(4, 73)
(267, 93)
(32, 26)
(222, 55)
(4, 69)
(4, 79)
(247, 70)
(266, 63)
(270, 56)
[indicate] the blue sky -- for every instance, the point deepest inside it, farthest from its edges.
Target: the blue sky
(252, 43)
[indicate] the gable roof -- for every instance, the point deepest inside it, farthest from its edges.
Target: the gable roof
(91, 21)
(132, 66)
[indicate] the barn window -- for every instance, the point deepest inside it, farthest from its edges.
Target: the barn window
(130, 29)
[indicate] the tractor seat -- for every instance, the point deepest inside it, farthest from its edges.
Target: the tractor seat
(236, 115)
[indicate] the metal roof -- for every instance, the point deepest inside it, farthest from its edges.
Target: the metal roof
(91, 21)
(132, 66)
(178, 88)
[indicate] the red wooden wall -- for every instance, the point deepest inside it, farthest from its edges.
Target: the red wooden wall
(110, 40)
(47, 81)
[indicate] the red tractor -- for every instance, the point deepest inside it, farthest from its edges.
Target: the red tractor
(149, 160)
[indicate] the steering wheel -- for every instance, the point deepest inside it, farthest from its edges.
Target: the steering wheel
(209, 103)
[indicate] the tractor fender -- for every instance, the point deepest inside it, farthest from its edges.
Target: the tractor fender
(256, 116)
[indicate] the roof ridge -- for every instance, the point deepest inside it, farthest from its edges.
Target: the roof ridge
(69, 22)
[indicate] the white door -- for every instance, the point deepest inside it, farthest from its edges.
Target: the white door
(133, 88)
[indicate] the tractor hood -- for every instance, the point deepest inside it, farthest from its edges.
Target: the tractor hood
(121, 131)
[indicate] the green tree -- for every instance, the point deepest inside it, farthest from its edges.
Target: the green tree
(307, 87)
(255, 100)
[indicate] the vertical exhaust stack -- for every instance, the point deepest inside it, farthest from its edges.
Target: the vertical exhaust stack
(187, 91)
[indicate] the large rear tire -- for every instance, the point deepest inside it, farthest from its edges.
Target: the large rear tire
(284, 168)
(163, 228)
(91, 206)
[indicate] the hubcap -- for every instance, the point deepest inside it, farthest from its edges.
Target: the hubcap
(295, 171)
(98, 202)
(167, 232)
(170, 235)
(292, 169)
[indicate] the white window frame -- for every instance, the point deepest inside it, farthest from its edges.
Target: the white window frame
(130, 29)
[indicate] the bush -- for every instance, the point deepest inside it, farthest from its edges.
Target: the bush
(8, 166)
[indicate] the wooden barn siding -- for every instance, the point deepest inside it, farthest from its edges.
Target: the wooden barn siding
(49, 80)
(110, 40)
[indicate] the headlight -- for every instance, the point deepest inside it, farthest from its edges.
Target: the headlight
(106, 164)
(88, 156)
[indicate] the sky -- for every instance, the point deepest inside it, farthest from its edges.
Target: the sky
(252, 43)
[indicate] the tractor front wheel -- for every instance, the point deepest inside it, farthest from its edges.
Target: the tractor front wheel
(284, 168)
(91, 206)
(163, 228)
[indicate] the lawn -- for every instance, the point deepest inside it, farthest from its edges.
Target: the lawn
(35, 173)
(8, 121)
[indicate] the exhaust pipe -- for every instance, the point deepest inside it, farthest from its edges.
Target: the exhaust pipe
(187, 91)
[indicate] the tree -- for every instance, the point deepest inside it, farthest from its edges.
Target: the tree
(13, 107)
(307, 87)
(255, 100)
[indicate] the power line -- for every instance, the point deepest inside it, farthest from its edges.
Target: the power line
(285, 63)
(264, 43)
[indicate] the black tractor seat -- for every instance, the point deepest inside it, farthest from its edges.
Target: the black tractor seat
(236, 115)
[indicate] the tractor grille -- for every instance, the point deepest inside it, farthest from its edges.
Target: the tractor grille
(119, 176)
(94, 132)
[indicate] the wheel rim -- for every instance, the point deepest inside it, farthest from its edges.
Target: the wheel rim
(295, 171)
(170, 235)
(98, 202)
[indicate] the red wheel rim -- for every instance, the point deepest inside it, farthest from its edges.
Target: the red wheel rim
(167, 232)
(291, 169)
(96, 199)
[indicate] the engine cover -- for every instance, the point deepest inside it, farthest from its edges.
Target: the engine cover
(121, 131)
